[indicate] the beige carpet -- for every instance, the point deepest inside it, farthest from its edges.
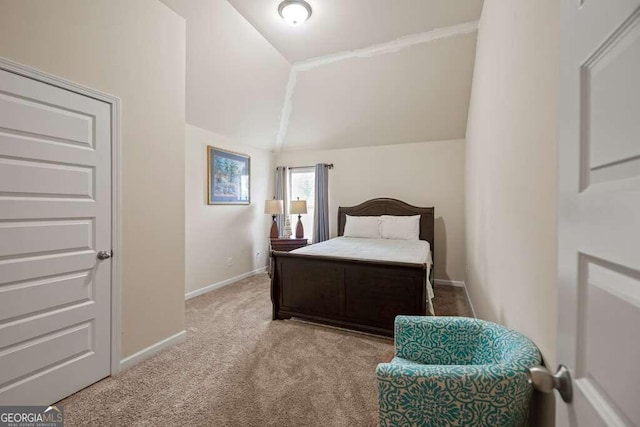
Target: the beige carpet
(239, 368)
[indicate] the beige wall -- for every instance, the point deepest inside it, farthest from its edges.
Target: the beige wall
(422, 174)
(227, 107)
(511, 169)
(215, 233)
(134, 50)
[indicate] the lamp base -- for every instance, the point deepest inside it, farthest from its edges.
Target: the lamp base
(274, 228)
(299, 229)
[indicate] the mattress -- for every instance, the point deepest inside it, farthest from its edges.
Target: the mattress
(406, 251)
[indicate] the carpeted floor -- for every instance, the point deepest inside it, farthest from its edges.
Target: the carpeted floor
(238, 368)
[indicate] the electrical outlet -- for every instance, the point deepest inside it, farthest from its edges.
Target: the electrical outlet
(258, 256)
(229, 262)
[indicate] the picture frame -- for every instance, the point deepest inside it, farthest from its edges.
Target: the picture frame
(228, 177)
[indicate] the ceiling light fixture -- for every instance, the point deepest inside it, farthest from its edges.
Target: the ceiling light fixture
(294, 12)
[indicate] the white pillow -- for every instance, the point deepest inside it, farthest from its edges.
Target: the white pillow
(362, 226)
(400, 227)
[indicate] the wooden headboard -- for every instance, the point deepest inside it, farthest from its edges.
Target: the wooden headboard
(386, 206)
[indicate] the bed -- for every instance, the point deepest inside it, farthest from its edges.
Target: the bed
(352, 291)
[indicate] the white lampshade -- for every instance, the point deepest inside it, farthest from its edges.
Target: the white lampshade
(294, 12)
(298, 207)
(273, 207)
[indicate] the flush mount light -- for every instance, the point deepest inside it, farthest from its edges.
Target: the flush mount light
(294, 12)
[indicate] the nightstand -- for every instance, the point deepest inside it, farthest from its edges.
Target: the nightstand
(284, 245)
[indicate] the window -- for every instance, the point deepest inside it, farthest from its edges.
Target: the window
(302, 185)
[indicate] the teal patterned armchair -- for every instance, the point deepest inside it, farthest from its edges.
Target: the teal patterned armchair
(455, 371)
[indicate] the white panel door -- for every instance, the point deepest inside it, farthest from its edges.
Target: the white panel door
(599, 212)
(55, 214)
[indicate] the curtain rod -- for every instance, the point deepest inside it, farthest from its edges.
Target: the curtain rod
(330, 165)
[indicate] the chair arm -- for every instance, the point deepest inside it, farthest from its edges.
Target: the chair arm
(459, 395)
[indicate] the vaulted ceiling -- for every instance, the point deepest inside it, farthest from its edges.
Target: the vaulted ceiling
(357, 73)
(343, 25)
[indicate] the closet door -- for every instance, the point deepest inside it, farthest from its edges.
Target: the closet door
(55, 218)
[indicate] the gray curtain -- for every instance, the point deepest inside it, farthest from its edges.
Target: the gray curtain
(321, 219)
(281, 180)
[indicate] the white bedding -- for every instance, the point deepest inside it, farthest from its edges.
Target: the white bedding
(409, 251)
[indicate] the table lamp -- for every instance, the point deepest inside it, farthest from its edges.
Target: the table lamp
(273, 207)
(298, 207)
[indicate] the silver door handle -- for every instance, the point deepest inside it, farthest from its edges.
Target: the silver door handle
(104, 254)
(543, 380)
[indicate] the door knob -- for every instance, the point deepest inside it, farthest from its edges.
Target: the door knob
(543, 380)
(104, 254)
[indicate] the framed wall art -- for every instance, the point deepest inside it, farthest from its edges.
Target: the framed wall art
(228, 178)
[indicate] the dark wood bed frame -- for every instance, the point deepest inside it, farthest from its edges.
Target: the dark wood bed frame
(351, 293)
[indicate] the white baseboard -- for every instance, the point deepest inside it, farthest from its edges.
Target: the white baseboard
(146, 353)
(458, 284)
(449, 283)
(209, 288)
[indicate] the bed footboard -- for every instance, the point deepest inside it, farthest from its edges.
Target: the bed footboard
(349, 293)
